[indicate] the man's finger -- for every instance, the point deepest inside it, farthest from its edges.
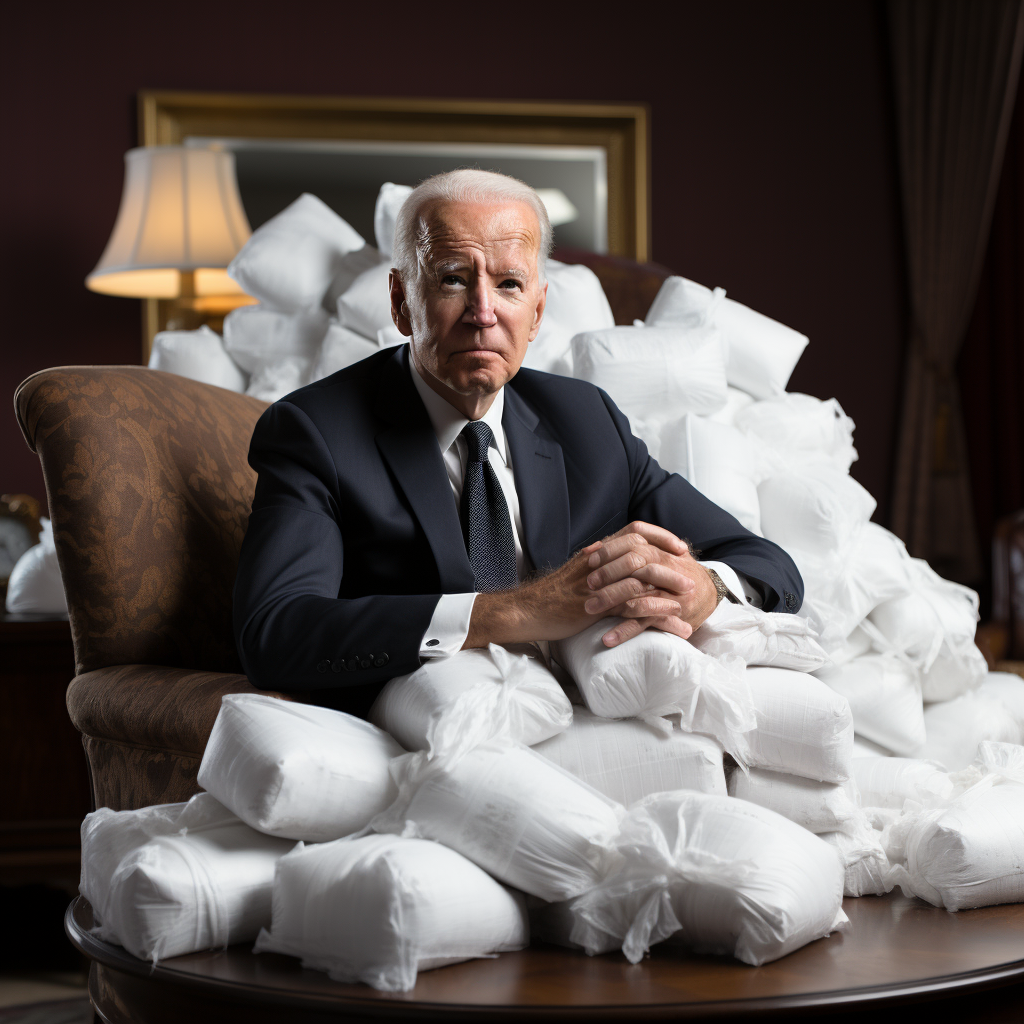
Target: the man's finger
(657, 535)
(665, 578)
(618, 569)
(614, 595)
(624, 631)
(614, 547)
(649, 605)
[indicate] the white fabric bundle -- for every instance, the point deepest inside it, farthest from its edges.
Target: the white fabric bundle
(735, 402)
(654, 373)
(199, 355)
(856, 644)
(865, 748)
(380, 908)
(657, 674)
(365, 306)
(575, 302)
(885, 697)
(934, 627)
(971, 853)
(385, 214)
(297, 771)
(177, 878)
(628, 760)
(511, 811)
(762, 353)
(892, 781)
(803, 727)
(1008, 689)
(956, 728)
(817, 512)
(341, 347)
(475, 683)
(291, 260)
(722, 463)
(279, 378)
(256, 336)
(35, 584)
(815, 806)
(864, 859)
(759, 638)
(726, 875)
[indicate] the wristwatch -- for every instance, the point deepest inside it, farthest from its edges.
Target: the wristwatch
(720, 588)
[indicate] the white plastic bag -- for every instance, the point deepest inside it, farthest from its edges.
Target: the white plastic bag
(971, 853)
(381, 908)
(864, 859)
(759, 638)
(657, 674)
(177, 878)
(199, 355)
(892, 781)
(475, 682)
(726, 875)
(341, 347)
(295, 770)
(803, 727)
(815, 806)
(385, 215)
(35, 584)
(628, 760)
(511, 811)
(955, 729)
(1008, 689)
(885, 697)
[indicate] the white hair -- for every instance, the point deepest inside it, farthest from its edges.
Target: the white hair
(463, 186)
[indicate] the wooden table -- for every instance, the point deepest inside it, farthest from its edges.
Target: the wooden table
(896, 950)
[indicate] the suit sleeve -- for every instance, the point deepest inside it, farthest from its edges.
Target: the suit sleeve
(666, 499)
(292, 630)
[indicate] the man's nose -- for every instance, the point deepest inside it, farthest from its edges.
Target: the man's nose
(479, 306)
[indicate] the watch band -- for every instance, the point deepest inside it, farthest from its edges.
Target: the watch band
(720, 588)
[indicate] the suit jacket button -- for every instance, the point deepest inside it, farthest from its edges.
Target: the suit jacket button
(366, 662)
(323, 666)
(790, 601)
(352, 664)
(381, 660)
(338, 666)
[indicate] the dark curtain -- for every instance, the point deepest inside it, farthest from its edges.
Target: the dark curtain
(991, 365)
(956, 65)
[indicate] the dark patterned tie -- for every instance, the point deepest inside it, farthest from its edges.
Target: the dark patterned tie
(485, 520)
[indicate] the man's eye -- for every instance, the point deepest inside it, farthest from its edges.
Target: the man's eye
(509, 284)
(452, 280)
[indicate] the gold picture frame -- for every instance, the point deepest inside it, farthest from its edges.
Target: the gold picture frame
(620, 129)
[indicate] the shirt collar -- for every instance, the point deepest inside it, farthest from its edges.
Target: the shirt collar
(448, 422)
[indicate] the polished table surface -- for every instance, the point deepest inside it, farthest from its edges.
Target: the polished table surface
(894, 949)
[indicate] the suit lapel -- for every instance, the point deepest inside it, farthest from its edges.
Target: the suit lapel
(539, 472)
(408, 445)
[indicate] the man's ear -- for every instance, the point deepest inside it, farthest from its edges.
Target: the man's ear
(538, 316)
(399, 306)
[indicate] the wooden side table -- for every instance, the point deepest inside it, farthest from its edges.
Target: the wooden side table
(41, 757)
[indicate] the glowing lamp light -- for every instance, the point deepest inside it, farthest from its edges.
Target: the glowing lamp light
(180, 224)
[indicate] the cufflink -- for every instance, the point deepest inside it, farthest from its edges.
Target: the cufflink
(433, 643)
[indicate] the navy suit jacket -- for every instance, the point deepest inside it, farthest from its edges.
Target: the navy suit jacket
(355, 534)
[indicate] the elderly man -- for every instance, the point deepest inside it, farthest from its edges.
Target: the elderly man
(431, 497)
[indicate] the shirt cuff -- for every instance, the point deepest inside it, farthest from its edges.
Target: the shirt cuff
(449, 626)
(738, 585)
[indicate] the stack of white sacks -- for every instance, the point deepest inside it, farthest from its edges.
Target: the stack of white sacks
(724, 791)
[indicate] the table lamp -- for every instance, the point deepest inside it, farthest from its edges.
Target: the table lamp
(180, 224)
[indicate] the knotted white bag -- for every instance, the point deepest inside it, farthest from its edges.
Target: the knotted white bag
(884, 692)
(956, 728)
(521, 818)
(380, 908)
(177, 878)
(816, 806)
(725, 875)
(971, 853)
(892, 781)
(759, 638)
(411, 706)
(1008, 689)
(803, 727)
(627, 760)
(295, 770)
(867, 866)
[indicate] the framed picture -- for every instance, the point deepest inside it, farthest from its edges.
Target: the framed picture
(590, 161)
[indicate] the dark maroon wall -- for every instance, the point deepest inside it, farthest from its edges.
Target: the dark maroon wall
(773, 157)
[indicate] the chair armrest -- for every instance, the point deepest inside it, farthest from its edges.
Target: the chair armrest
(154, 706)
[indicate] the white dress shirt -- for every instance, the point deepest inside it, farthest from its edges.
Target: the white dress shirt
(449, 625)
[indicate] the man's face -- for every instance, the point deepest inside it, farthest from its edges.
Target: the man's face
(477, 302)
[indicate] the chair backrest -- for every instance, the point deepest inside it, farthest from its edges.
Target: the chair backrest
(149, 492)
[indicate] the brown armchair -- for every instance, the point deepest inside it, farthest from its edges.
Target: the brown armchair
(149, 493)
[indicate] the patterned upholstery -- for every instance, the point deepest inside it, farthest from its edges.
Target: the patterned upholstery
(149, 493)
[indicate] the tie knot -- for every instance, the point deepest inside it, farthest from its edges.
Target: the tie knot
(478, 439)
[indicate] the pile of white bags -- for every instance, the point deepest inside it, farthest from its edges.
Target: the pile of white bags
(380, 908)
(177, 878)
(35, 585)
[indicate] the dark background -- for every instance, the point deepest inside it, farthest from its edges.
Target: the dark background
(773, 154)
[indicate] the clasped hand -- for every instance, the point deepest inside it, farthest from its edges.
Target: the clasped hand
(643, 574)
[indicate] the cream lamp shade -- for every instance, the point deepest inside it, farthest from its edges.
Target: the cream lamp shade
(180, 224)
